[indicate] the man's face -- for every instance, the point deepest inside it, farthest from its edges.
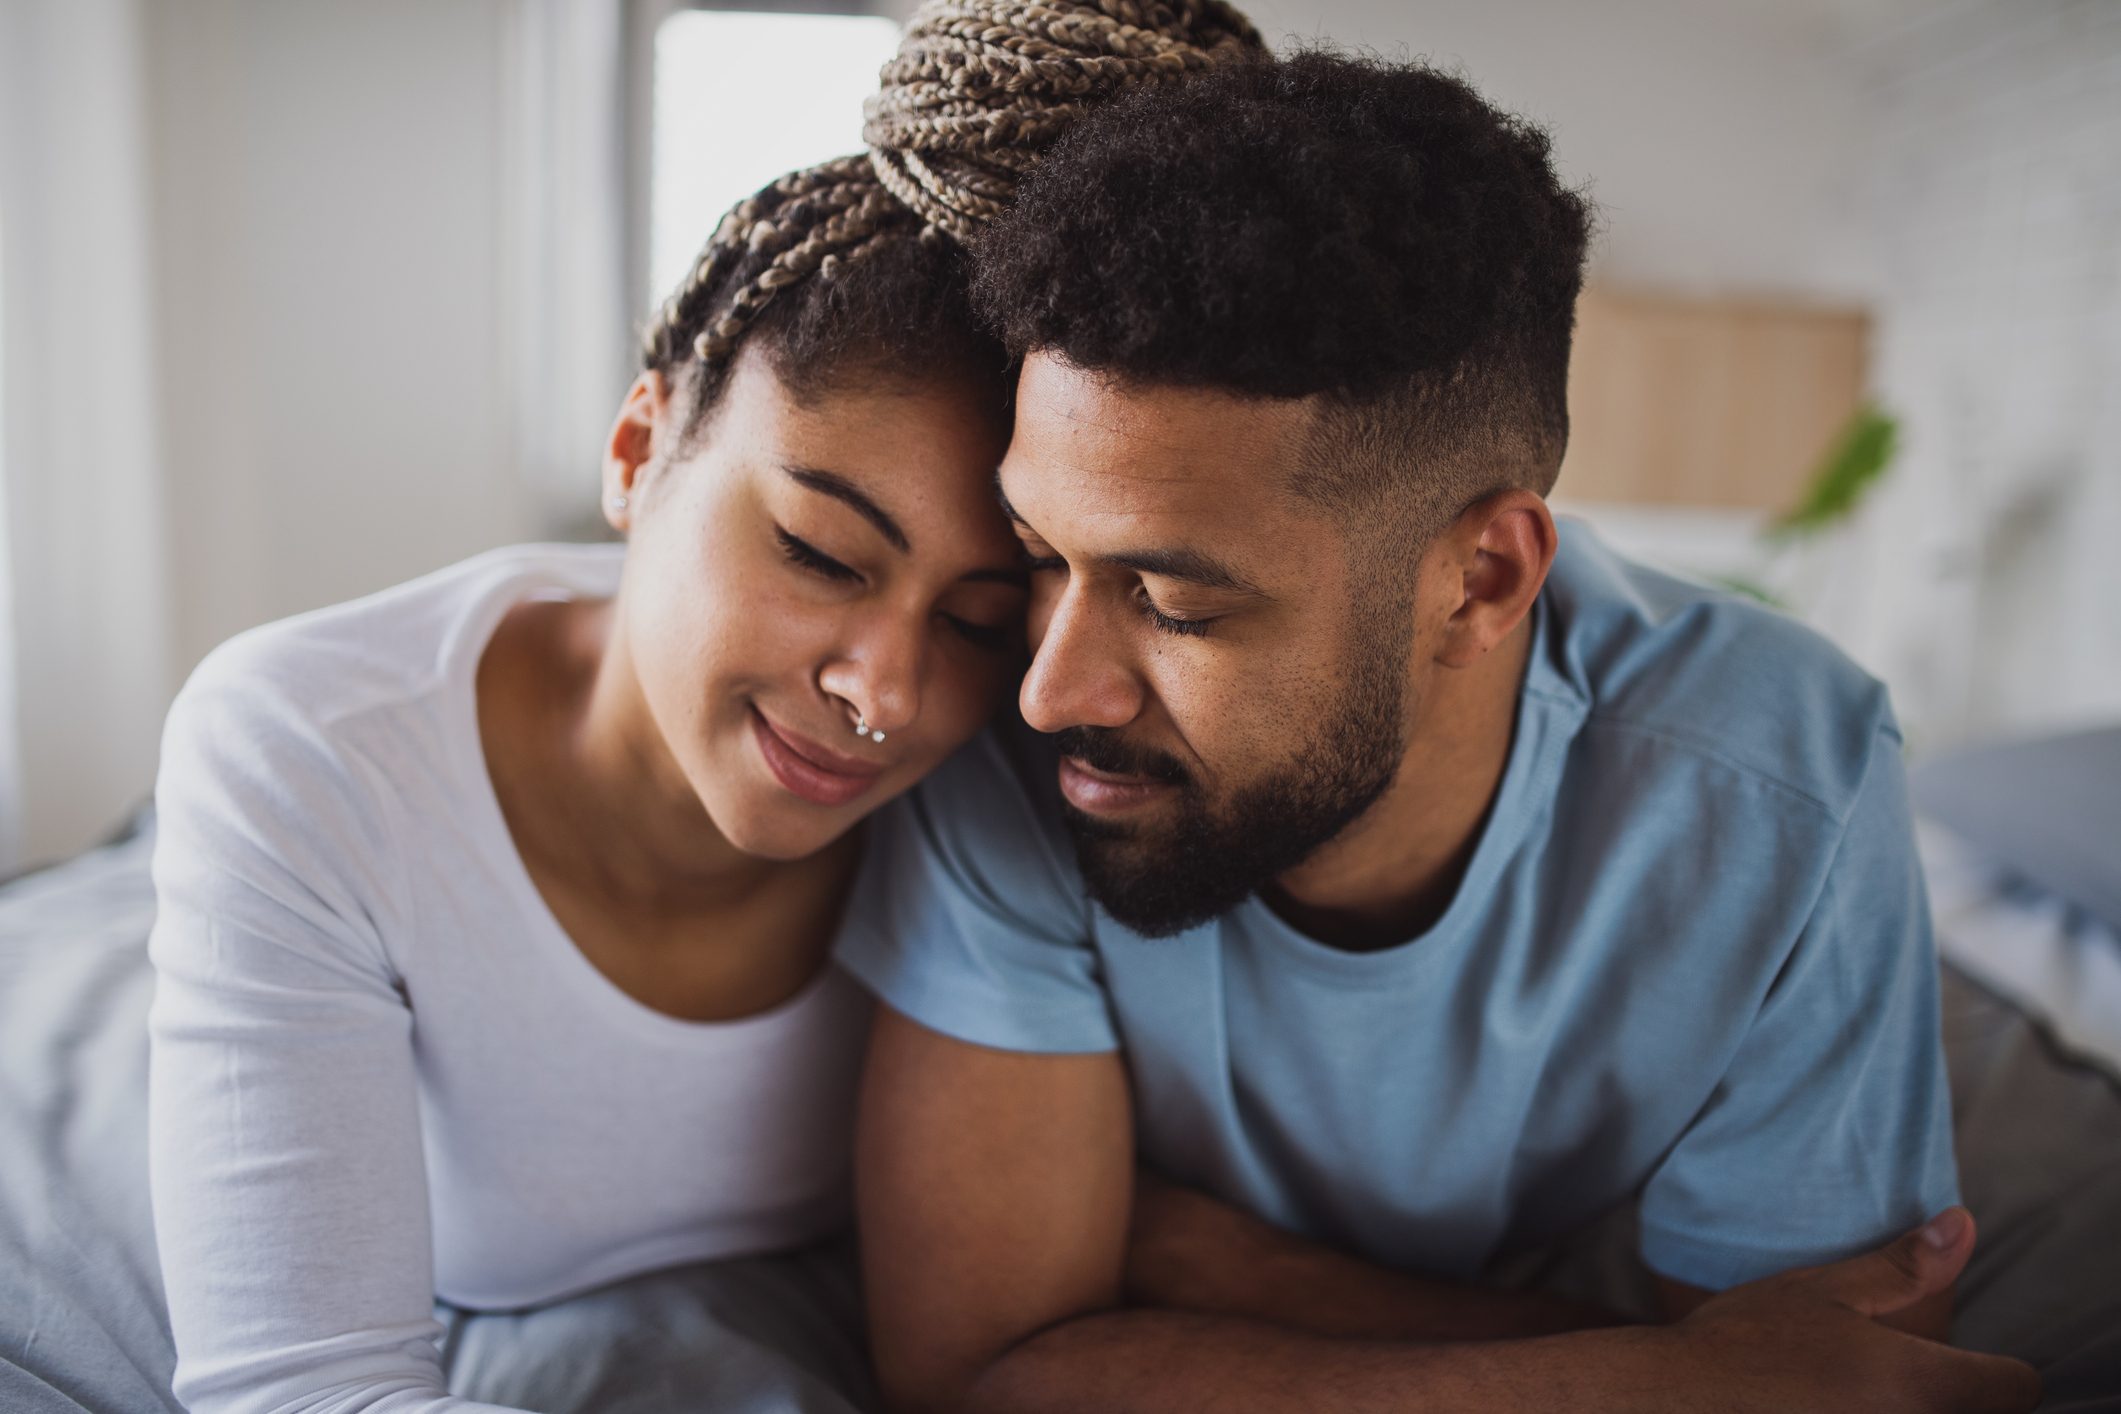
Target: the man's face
(1229, 692)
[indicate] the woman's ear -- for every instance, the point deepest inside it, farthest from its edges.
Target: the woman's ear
(632, 444)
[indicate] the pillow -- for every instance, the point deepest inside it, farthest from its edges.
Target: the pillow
(2048, 810)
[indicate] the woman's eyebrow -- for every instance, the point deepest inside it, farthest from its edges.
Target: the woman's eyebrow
(839, 488)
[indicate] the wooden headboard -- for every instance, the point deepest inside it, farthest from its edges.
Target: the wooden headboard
(1709, 403)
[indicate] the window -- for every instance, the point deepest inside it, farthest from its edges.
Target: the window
(739, 98)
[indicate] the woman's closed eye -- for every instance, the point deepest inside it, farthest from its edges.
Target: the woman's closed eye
(809, 557)
(991, 638)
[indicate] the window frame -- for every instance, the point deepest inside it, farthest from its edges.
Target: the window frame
(640, 22)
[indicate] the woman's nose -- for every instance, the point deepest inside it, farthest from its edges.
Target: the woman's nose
(878, 673)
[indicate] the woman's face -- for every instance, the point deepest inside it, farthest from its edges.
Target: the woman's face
(799, 565)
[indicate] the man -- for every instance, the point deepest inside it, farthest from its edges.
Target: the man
(1450, 881)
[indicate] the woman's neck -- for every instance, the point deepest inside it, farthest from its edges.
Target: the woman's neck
(616, 841)
(585, 777)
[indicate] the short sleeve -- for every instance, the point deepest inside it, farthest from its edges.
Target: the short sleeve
(970, 917)
(1831, 1131)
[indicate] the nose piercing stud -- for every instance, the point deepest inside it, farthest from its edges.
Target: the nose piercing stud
(862, 728)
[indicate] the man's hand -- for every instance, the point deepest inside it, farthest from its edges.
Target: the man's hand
(1811, 1338)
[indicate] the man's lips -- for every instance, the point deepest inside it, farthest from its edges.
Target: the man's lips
(809, 769)
(1096, 792)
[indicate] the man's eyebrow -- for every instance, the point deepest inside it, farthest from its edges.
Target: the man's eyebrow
(839, 488)
(1192, 566)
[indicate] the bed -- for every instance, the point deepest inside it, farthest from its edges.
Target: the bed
(2033, 1041)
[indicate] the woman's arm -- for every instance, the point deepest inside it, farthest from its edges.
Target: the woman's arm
(290, 1195)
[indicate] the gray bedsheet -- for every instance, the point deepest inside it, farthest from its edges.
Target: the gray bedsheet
(81, 1323)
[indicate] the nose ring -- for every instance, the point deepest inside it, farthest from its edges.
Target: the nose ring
(862, 728)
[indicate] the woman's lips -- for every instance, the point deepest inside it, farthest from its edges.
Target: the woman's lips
(1096, 792)
(809, 770)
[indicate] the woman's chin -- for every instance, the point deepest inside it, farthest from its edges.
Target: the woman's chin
(785, 831)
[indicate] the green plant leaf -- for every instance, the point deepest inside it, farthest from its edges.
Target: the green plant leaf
(1751, 589)
(1857, 460)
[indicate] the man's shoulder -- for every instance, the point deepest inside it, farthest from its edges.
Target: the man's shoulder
(971, 917)
(996, 804)
(1710, 682)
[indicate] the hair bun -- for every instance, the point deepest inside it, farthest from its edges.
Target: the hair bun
(980, 88)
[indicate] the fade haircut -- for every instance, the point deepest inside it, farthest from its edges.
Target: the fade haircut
(855, 266)
(1369, 235)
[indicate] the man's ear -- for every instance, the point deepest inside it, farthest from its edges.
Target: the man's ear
(1492, 560)
(632, 444)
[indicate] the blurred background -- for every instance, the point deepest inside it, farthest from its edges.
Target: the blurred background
(301, 299)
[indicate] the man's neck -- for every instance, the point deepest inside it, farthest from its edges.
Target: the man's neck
(1389, 876)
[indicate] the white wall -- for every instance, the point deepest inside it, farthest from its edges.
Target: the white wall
(1993, 594)
(1722, 139)
(331, 267)
(86, 554)
(266, 268)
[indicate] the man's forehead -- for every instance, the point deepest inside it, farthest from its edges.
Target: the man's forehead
(1137, 449)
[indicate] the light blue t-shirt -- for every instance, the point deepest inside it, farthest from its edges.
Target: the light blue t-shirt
(1690, 963)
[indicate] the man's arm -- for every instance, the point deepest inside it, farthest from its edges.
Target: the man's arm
(1929, 1318)
(1191, 1252)
(995, 1190)
(1188, 1251)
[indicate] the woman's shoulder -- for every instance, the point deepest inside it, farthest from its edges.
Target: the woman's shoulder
(336, 662)
(342, 723)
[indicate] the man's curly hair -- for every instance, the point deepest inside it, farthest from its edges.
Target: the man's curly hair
(1369, 234)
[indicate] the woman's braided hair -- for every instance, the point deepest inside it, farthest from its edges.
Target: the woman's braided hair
(977, 91)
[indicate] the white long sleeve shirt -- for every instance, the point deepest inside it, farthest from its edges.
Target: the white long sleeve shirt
(381, 1070)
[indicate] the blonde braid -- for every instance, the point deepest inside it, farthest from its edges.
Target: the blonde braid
(980, 87)
(782, 219)
(977, 91)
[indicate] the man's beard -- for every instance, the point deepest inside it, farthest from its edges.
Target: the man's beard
(1212, 857)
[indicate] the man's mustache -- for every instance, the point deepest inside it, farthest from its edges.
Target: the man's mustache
(1104, 749)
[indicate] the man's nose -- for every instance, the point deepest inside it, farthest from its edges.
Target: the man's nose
(1080, 675)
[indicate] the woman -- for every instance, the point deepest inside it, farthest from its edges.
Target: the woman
(496, 908)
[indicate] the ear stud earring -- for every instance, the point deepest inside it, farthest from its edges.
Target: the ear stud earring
(618, 503)
(862, 728)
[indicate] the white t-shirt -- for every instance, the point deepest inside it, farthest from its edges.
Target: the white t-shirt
(381, 1070)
